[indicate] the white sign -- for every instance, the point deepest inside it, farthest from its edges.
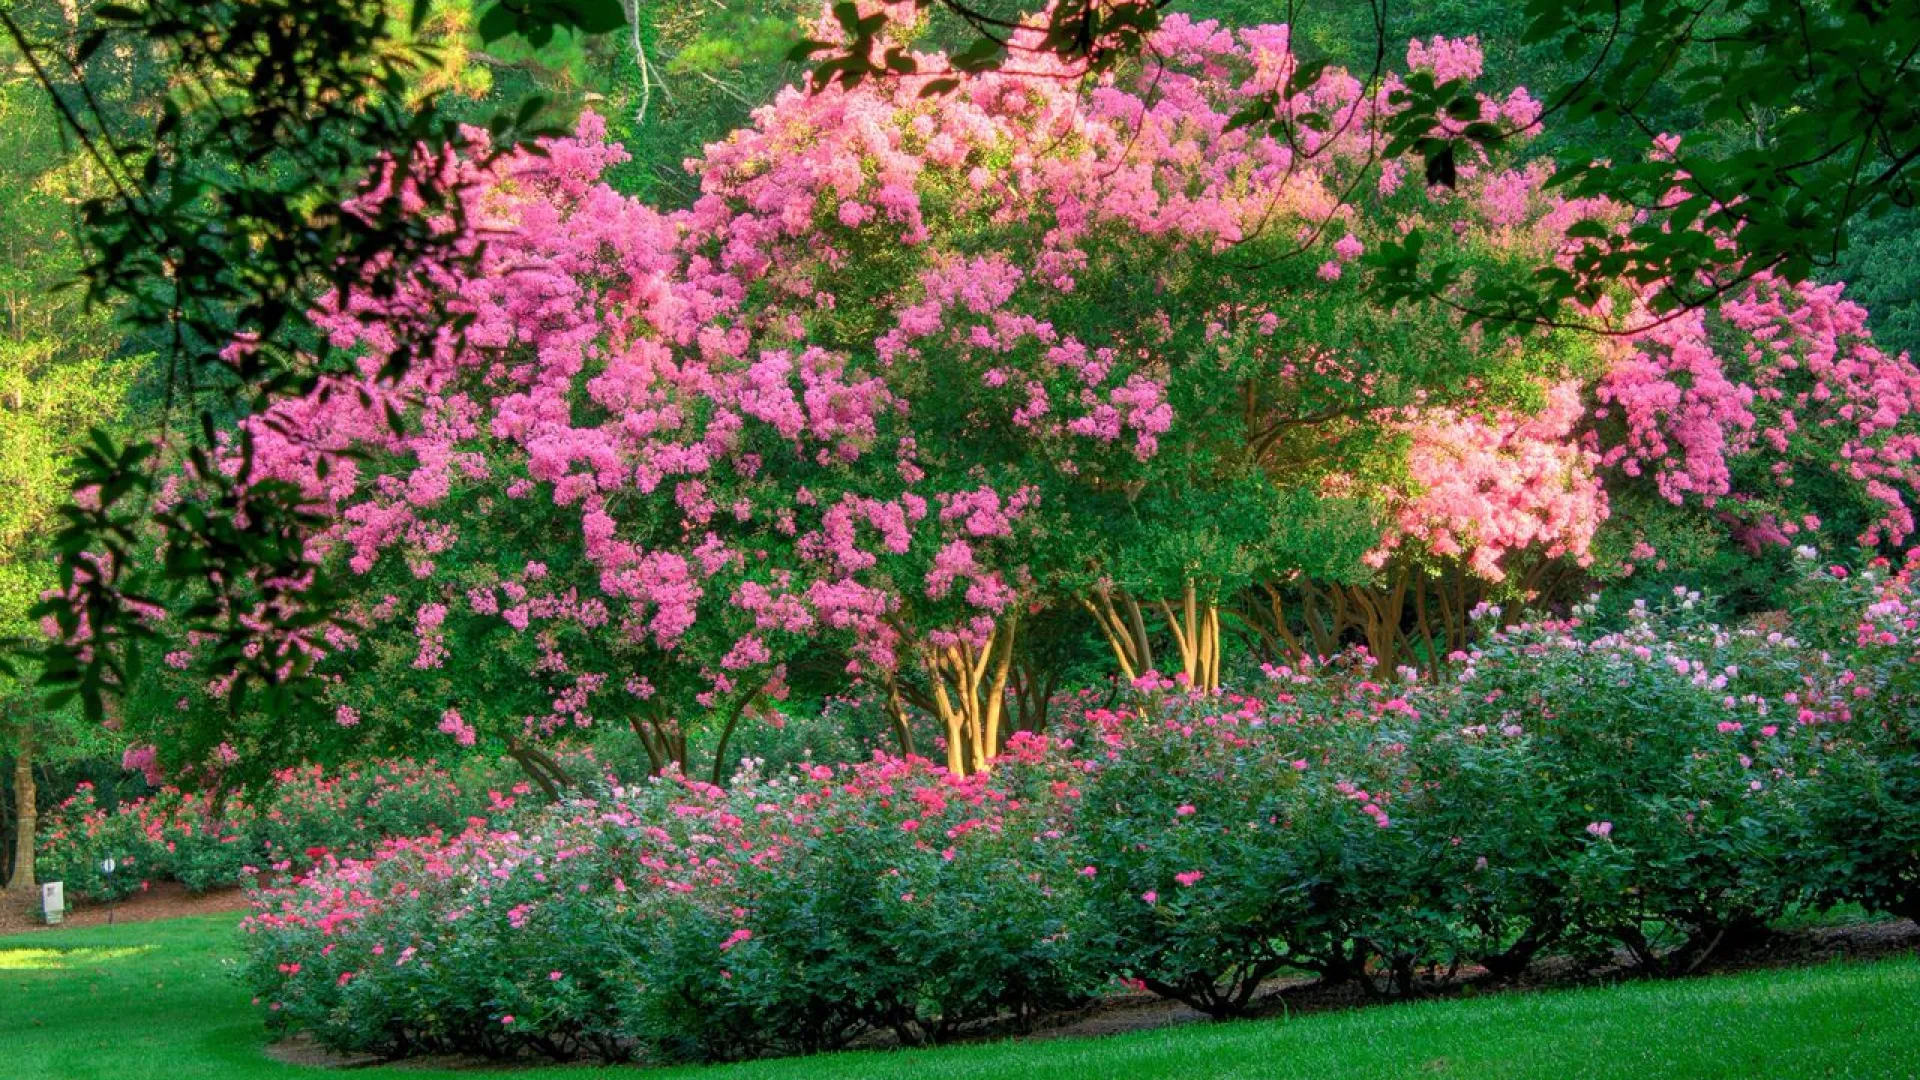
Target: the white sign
(53, 900)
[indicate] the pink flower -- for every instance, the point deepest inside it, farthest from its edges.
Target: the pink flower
(1184, 810)
(1190, 877)
(144, 760)
(452, 724)
(1088, 871)
(1601, 829)
(1150, 896)
(735, 938)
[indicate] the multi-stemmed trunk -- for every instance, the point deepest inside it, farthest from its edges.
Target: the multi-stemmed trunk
(1193, 621)
(1413, 617)
(966, 690)
(969, 684)
(664, 737)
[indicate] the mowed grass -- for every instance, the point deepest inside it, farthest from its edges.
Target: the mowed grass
(156, 1000)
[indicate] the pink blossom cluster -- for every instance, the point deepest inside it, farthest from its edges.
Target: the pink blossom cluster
(1483, 487)
(1743, 400)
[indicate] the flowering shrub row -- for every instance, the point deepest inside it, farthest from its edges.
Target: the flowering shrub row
(681, 920)
(1661, 789)
(206, 844)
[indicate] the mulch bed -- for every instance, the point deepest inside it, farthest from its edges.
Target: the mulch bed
(1794, 948)
(164, 900)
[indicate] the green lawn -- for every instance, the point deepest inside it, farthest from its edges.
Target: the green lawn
(155, 1000)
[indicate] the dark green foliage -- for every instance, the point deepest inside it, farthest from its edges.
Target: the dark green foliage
(1881, 267)
(284, 161)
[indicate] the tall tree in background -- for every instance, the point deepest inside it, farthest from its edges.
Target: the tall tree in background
(58, 378)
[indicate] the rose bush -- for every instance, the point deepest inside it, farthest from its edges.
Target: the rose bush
(1664, 788)
(888, 896)
(1561, 789)
(679, 920)
(297, 817)
(1227, 838)
(1871, 618)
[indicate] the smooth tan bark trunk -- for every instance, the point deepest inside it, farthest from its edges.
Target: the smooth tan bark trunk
(897, 712)
(1120, 622)
(1194, 624)
(26, 816)
(969, 696)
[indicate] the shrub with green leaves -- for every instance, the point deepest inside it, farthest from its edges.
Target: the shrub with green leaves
(1667, 789)
(211, 842)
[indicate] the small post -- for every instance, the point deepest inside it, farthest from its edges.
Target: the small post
(53, 901)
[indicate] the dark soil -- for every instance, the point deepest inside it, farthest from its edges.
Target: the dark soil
(164, 900)
(1289, 996)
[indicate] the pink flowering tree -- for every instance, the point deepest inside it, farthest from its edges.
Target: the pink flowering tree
(918, 371)
(1765, 420)
(912, 370)
(1774, 415)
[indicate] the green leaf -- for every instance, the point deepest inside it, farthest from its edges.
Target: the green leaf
(597, 16)
(983, 54)
(1440, 166)
(804, 49)
(497, 22)
(1257, 111)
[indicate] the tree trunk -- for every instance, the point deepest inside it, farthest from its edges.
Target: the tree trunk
(1118, 617)
(26, 815)
(897, 713)
(1196, 635)
(969, 685)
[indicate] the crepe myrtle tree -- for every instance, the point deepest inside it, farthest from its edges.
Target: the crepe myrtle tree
(912, 368)
(308, 85)
(1187, 337)
(1766, 422)
(917, 368)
